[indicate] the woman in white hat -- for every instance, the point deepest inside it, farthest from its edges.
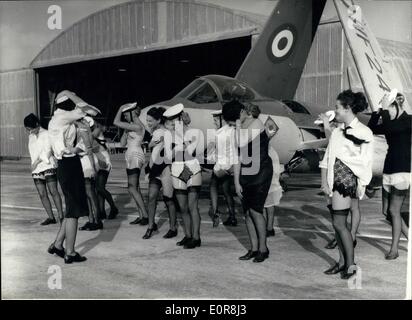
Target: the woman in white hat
(396, 126)
(63, 136)
(159, 174)
(184, 145)
(135, 158)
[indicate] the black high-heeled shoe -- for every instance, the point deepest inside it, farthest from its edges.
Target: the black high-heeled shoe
(76, 258)
(144, 221)
(270, 233)
(53, 250)
(136, 221)
(170, 234)
(150, 231)
(216, 220)
(261, 256)
(192, 243)
(231, 222)
(88, 226)
(331, 244)
(334, 269)
(113, 213)
(183, 241)
(249, 255)
(345, 275)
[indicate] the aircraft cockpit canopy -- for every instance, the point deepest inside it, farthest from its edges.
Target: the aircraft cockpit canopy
(212, 89)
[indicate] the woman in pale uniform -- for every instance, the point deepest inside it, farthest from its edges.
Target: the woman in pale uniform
(185, 144)
(104, 166)
(159, 174)
(346, 171)
(44, 167)
(133, 138)
(88, 160)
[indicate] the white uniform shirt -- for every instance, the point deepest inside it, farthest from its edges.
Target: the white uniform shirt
(40, 148)
(62, 131)
(225, 148)
(359, 158)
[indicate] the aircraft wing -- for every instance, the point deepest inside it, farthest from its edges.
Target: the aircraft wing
(313, 144)
(377, 75)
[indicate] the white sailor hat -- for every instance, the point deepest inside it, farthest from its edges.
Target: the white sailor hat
(89, 120)
(392, 95)
(69, 95)
(331, 114)
(129, 107)
(216, 113)
(173, 111)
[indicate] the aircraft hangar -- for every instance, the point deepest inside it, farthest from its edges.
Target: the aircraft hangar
(147, 51)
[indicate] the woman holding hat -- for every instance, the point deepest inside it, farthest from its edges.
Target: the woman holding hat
(328, 124)
(63, 136)
(347, 170)
(133, 138)
(44, 167)
(253, 176)
(396, 126)
(159, 174)
(182, 146)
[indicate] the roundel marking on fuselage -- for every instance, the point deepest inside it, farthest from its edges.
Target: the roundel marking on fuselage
(281, 43)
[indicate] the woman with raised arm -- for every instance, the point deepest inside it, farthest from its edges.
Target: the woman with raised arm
(396, 126)
(63, 136)
(159, 174)
(346, 171)
(253, 175)
(133, 138)
(184, 145)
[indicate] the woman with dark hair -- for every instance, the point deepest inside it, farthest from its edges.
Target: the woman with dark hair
(103, 166)
(253, 176)
(346, 171)
(44, 167)
(328, 124)
(396, 126)
(133, 138)
(63, 136)
(183, 146)
(159, 174)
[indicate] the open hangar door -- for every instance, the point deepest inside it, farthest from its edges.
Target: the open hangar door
(147, 78)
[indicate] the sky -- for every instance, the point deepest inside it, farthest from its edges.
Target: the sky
(24, 31)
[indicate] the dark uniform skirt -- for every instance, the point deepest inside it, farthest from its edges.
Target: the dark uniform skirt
(255, 188)
(71, 179)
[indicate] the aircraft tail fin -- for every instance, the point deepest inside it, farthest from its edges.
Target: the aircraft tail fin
(275, 64)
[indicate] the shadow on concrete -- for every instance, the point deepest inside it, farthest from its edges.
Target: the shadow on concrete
(111, 227)
(288, 217)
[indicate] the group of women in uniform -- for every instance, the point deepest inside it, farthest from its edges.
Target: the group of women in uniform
(240, 155)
